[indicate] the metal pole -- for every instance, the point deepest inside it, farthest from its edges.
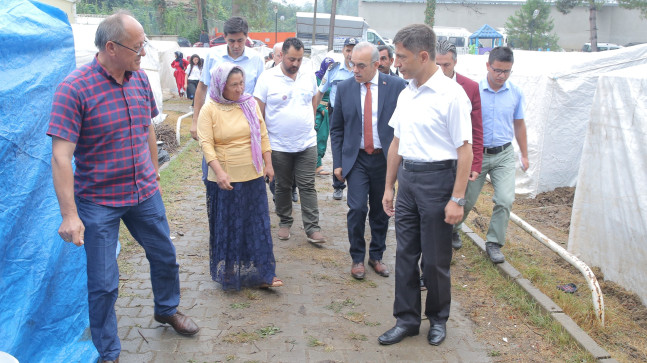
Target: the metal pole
(314, 27)
(331, 27)
(276, 23)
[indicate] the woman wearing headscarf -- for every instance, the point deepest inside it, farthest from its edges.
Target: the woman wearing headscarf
(179, 64)
(234, 140)
(322, 122)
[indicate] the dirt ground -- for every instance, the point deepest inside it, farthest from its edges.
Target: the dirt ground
(509, 334)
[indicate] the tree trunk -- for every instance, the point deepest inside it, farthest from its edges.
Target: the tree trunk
(331, 36)
(198, 6)
(593, 26)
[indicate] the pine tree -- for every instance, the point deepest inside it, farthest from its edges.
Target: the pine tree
(530, 27)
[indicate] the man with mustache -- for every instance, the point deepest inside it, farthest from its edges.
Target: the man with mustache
(286, 97)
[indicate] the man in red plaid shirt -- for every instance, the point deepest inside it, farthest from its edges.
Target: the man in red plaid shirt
(101, 116)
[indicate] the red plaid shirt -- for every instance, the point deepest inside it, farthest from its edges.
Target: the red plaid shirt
(109, 124)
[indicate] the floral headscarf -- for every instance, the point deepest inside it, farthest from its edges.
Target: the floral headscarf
(247, 103)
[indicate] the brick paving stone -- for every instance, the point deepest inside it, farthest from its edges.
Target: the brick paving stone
(306, 308)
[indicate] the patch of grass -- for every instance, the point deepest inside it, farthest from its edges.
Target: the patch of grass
(314, 342)
(493, 353)
(516, 301)
(361, 283)
(230, 357)
(372, 323)
(355, 336)
(355, 317)
(337, 306)
(244, 305)
(268, 330)
(241, 337)
(251, 294)
(329, 348)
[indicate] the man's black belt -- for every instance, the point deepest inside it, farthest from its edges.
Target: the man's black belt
(409, 165)
(495, 150)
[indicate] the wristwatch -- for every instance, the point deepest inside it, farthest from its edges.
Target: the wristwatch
(459, 201)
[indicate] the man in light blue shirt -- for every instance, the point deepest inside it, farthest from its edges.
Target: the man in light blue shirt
(234, 51)
(503, 120)
(336, 73)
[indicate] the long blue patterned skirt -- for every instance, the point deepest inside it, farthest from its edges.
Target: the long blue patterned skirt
(240, 242)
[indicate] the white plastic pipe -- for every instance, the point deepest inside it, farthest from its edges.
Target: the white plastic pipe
(177, 128)
(594, 287)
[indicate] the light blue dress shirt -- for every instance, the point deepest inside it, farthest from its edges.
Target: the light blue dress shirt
(499, 110)
(251, 62)
(333, 76)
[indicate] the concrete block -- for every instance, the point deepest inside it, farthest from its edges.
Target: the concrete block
(544, 301)
(580, 336)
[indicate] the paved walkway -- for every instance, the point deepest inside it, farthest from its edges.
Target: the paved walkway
(320, 315)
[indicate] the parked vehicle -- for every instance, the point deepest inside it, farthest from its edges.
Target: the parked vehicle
(601, 47)
(455, 35)
(183, 42)
(345, 27)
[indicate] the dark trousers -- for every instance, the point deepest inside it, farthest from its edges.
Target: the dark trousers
(336, 184)
(148, 225)
(420, 229)
(366, 184)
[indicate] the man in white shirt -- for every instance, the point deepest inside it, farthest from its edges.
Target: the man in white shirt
(431, 156)
(277, 54)
(285, 96)
(234, 51)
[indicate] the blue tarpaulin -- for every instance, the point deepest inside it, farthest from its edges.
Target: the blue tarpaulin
(43, 294)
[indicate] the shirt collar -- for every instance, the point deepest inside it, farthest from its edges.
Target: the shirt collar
(376, 78)
(104, 72)
(485, 85)
(431, 83)
(225, 53)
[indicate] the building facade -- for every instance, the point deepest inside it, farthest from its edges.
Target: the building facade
(615, 24)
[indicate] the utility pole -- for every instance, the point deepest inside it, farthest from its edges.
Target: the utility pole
(314, 27)
(331, 35)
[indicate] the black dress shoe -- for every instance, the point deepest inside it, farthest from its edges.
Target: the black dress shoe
(395, 335)
(436, 334)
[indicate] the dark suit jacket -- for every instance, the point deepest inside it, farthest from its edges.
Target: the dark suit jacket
(346, 125)
(472, 90)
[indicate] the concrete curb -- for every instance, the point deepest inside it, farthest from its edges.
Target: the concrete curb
(548, 305)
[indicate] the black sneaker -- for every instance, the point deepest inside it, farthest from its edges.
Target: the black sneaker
(494, 251)
(457, 243)
(338, 194)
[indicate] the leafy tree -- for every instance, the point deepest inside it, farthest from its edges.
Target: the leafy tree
(529, 31)
(430, 13)
(565, 7)
(635, 4)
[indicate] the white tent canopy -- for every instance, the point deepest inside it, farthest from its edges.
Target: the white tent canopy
(609, 219)
(559, 89)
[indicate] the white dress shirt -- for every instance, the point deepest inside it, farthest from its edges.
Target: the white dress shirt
(432, 120)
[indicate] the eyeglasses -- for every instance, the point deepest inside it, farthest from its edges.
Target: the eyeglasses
(502, 71)
(138, 51)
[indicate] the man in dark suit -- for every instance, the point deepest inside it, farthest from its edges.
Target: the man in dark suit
(446, 59)
(360, 137)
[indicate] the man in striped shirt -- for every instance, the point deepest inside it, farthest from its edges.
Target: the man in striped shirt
(101, 116)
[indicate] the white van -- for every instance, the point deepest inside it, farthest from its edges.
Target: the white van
(458, 36)
(601, 47)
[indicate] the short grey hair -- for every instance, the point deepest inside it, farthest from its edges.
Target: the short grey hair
(375, 54)
(111, 29)
(444, 47)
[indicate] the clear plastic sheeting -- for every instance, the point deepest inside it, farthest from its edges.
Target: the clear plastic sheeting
(609, 219)
(43, 294)
(559, 89)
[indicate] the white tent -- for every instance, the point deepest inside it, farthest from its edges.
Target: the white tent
(85, 51)
(559, 89)
(609, 219)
